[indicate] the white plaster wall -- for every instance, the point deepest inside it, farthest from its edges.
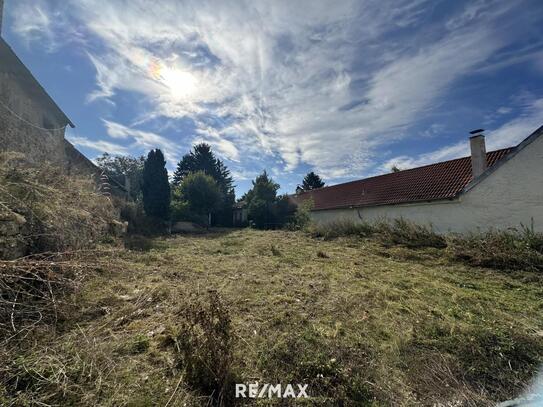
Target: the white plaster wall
(510, 196)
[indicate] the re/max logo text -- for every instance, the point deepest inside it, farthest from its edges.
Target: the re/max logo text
(266, 390)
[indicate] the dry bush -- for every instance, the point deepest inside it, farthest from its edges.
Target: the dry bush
(61, 212)
(389, 233)
(504, 250)
(65, 373)
(339, 228)
(408, 234)
(33, 289)
(205, 344)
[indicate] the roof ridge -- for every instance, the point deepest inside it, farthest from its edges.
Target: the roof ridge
(403, 171)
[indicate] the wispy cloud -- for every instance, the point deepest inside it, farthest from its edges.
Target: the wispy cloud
(507, 135)
(143, 140)
(300, 82)
(102, 146)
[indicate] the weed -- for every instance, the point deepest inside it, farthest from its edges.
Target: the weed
(138, 243)
(205, 343)
(341, 227)
(322, 255)
(275, 251)
(408, 234)
(509, 250)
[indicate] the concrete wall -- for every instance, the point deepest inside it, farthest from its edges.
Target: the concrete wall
(511, 195)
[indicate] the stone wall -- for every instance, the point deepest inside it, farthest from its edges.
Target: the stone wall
(12, 244)
(16, 134)
(30, 121)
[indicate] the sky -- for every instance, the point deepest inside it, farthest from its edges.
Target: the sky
(344, 88)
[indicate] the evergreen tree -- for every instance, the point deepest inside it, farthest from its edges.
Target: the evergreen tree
(201, 158)
(156, 188)
(312, 181)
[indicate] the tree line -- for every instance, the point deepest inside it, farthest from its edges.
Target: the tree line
(201, 190)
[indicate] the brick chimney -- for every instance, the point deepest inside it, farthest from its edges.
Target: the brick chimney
(478, 152)
(1, 14)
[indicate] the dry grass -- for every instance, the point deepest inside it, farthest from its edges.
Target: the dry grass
(61, 212)
(360, 323)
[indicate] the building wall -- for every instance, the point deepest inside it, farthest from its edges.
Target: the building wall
(16, 134)
(510, 196)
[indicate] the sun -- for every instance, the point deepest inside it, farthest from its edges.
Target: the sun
(182, 84)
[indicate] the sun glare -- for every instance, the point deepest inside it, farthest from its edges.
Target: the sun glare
(181, 83)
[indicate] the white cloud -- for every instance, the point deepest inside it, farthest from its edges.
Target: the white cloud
(102, 146)
(143, 140)
(509, 134)
(305, 81)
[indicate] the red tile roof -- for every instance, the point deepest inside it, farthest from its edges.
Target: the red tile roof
(442, 180)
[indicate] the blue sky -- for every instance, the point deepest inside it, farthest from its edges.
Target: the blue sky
(345, 88)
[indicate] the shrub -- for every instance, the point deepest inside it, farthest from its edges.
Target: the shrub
(302, 216)
(259, 213)
(409, 234)
(205, 343)
(511, 249)
(201, 192)
(181, 211)
(341, 227)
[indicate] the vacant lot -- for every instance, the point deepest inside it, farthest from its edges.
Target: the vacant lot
(357, 322)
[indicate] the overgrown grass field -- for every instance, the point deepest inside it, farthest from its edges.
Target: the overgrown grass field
(362, 323)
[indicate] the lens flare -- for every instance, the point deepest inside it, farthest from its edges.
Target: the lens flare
(181, 83)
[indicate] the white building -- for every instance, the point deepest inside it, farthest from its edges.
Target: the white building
(505, 190)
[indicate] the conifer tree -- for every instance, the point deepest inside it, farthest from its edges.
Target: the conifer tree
(156, 188)
(312, 181)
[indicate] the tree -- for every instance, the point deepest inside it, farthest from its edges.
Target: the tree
(312, 181)
(123, 168)
(202, 194)
(394, 168)
(156, 188)
(201, 158)
(260, 200)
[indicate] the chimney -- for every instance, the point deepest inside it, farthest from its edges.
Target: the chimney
(1, 14)
(478, 152)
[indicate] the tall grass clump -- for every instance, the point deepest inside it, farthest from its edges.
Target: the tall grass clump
(61, 212)
(404, 233)
(505, 250)
(204, 342)
(396, 232)
(340, 228)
